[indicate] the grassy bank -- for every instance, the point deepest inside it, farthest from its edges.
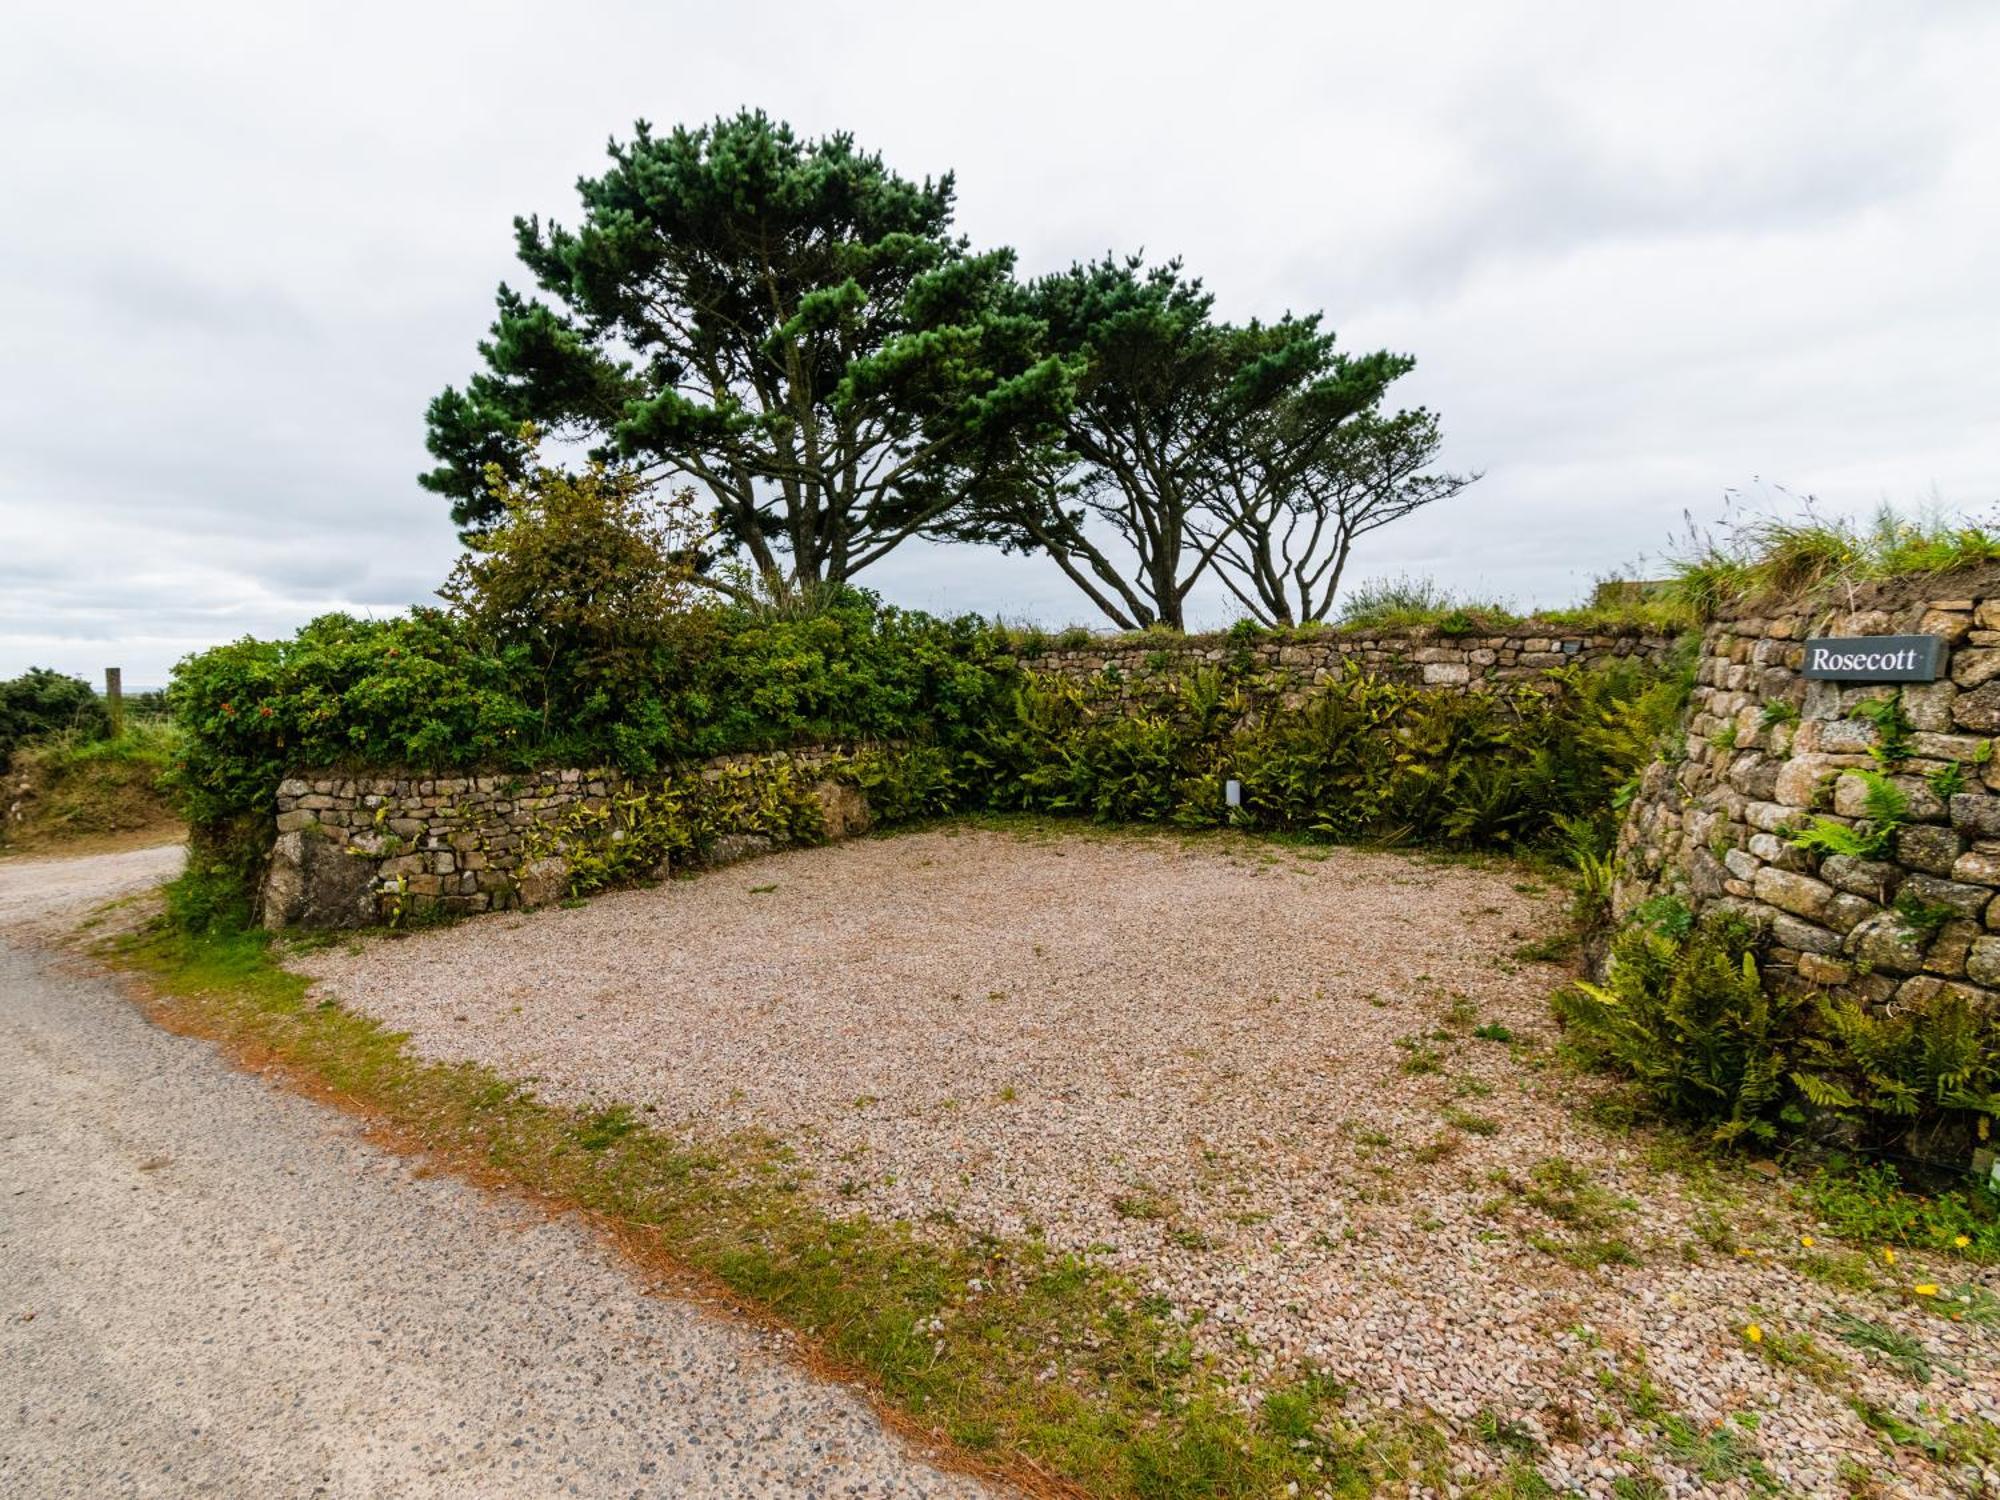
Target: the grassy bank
(1037, 1366)
(74, 792)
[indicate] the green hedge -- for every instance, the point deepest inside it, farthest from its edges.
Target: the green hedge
(1358, 759)
(41, 702)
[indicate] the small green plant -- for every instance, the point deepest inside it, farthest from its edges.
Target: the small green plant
(1871, 1204)
(1893, 729)
(1911, 1356)
(1947, 781)
(1689, 1019)
(1886, 808)
(1920, 918)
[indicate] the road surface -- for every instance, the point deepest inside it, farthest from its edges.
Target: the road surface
(211, 1286)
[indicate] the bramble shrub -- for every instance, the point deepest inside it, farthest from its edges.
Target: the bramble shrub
(42, 702)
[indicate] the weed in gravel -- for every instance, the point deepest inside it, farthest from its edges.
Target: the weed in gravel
(1470, 1123)
(1493, 1031)
(1911, 1356)
(1872, 1203)
(1973, 1444)
(1144, 1205)
(1419, 1056)
(1716, 1454)
(1565, 1192)
(1798, 1351)
(1438, 1148)
(1509, 1433)
(1849, 1270)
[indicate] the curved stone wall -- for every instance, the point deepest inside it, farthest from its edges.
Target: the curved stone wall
(1769, 753)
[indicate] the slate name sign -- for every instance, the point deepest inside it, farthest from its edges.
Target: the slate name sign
(1875, 658)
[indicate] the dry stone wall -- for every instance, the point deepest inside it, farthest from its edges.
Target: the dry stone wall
(1124, 665)
(354, 850)
(1769, 753)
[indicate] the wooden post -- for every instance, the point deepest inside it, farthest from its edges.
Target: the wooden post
(114, 698)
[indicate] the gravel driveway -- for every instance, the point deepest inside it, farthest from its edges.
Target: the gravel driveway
(1253, 1078)
(212, 1287)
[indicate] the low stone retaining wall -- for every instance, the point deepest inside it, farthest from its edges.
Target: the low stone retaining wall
(355, 850)
(1422, 655)
(1768, 752)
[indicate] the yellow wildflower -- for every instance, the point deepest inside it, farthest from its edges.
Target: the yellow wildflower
(1925, 1289)
(1888, 1256)
(1754, 1334)
(1962, 1240)
(1806, 1240)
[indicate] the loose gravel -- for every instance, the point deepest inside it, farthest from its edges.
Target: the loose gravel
(209, 1286)
(1250, 1077)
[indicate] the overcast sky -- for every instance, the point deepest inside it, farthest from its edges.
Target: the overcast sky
(1643, 254)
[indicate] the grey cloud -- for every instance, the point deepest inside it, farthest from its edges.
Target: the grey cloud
(1641, 255)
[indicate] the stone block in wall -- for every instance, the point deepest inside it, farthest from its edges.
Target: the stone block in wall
(1826, 971)
(1755, 776)
(313, 881)
(1801, 895)
(1803, 779)
(1772, 817)
(1927, 990)
(1921, 804)
(542, 881)
(1982, 961)
(1975, 668)
(1951, 947)
(1447, 674)
(843, 809)
(1929, 847)
(1874, 878)
(1928, 745)
(1847, 736)
(1804, 936)
(1966, 900)
(1952, 624)
(1886, 944)
(1979, 865)
(1976, 815)
(1820, 701)
(1977, 710)
(1847, 911)
(1773, 850)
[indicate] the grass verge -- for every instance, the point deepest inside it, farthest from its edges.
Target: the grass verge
(1039, 1367)
(78, 794)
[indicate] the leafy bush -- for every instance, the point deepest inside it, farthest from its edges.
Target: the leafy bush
(1911, 1077)
(589, 576)
(1684, 1012)
(1360, 758)
(1689, 1019)
(41, 702)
